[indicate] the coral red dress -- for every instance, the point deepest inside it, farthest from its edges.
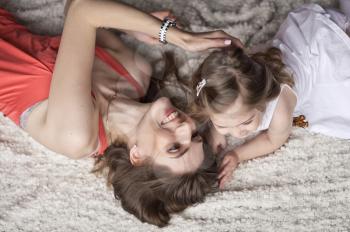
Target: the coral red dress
(26, 67)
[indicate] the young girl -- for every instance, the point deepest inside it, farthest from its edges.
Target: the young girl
(242, 93)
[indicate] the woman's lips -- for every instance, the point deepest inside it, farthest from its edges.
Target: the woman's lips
(171, 114)
(169, 111)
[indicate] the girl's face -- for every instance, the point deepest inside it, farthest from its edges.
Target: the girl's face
(169, 138)
(238, 120)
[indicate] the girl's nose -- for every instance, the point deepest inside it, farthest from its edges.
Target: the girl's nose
(243, 133)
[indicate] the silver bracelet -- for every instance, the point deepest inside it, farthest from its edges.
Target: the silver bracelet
(164, 28)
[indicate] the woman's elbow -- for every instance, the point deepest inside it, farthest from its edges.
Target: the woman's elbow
(76, 147)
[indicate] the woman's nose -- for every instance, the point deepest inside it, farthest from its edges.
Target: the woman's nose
(183, 133)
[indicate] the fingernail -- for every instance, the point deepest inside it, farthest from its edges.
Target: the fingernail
(227, 42)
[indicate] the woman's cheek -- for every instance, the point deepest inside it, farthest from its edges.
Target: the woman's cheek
(222, 131)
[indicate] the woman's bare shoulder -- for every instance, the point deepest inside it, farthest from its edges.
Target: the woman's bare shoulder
(76, 147)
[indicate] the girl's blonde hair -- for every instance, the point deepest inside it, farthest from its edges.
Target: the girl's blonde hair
(230, 73)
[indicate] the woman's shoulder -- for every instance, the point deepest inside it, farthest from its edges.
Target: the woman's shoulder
(72, 145)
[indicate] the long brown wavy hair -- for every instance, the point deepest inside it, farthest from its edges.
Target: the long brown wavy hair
(230, 73)
(153, 193)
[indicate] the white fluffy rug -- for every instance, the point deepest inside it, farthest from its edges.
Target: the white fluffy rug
(304, 186)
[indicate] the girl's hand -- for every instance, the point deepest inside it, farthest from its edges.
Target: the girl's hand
(216, 140)
(149, 39)
(228, 165)
(216, 39)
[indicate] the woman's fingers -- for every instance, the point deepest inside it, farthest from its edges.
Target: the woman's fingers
(163, 14)
(224, 35)
(204, 44)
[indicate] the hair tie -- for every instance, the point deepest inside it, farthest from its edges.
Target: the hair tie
(200, 86)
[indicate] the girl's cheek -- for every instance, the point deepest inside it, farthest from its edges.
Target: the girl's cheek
(255, 125)
(235, 132)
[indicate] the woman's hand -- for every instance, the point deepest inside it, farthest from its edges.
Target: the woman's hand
(228, 165)
(149, 39)
(192, 41)
(216, 39)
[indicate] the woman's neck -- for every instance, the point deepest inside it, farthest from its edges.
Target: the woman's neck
(121, 119)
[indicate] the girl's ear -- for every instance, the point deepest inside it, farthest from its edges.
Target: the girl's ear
(136, 158)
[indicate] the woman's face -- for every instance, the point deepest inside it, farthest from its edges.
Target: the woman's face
(238, 120)
(169, 138)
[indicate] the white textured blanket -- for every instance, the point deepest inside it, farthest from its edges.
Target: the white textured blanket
(304, 186)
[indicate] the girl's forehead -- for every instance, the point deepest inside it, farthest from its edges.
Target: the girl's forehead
(234, 110)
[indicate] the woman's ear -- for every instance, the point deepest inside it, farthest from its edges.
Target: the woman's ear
(136, 158)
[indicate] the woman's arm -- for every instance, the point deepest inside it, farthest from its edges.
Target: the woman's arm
(69, 123)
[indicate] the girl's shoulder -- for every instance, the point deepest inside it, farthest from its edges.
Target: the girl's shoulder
(278, 108)
(283, 113)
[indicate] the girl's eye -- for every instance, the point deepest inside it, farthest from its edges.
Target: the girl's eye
(174, 148)
(247, 123)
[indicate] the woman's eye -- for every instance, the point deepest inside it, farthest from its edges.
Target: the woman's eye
(174, 148)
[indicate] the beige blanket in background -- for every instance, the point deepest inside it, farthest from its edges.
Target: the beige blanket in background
(304, 186)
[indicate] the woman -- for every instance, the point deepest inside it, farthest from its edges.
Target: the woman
(154, 153)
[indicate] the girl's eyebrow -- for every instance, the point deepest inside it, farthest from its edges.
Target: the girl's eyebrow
(247, 120)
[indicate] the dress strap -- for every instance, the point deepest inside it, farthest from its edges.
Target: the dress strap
(119, 68)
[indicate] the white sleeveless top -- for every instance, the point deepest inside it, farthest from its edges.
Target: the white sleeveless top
(316, 48)
(270, 110)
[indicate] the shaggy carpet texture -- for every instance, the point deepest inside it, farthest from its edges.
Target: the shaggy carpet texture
(304, 186)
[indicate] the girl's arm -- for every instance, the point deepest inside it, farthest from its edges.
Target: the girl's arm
(266, 142)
